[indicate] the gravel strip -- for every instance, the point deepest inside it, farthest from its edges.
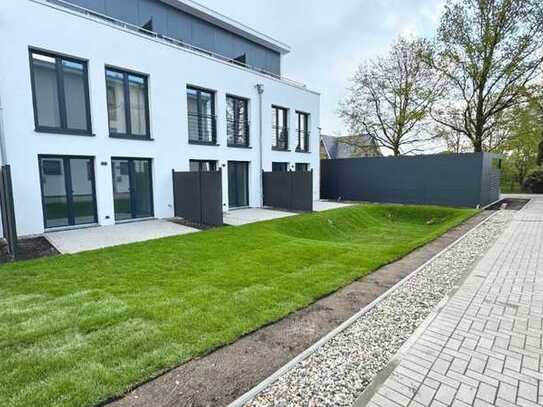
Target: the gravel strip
(339, 371)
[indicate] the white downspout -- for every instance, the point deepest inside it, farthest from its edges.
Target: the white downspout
(260, 89)
(3, 151)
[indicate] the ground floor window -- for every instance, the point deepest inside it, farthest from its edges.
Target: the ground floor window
(302, 167)
(68, 190)
(132, 188)
(279, 167)
(238, 184)
(202, 165)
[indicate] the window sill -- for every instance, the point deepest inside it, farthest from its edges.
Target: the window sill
(203, 143)
(286, 150)
(303, 151)
(129, 137)
(239, 146)
(64, 132)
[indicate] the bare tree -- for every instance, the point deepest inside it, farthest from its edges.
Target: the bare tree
(390, 97)
(488, 51)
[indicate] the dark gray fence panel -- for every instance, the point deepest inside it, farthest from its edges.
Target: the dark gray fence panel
(198, 196)
(448, 179)
(211, 198)
(288, 190)
(8, 209)
(302, 190)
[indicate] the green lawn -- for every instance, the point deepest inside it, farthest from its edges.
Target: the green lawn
(77, 329)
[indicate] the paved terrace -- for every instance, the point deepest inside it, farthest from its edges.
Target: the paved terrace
(484, 346)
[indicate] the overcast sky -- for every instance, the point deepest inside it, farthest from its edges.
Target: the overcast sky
(329, 39)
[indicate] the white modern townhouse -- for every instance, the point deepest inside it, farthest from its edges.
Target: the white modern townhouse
(102, 99)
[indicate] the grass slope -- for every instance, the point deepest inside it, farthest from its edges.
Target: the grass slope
(76, 329)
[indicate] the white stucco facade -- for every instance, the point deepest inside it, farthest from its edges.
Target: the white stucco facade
(29, 23)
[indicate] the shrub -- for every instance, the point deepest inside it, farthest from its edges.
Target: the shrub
(534, 182)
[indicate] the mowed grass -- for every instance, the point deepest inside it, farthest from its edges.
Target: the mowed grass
(77, 329)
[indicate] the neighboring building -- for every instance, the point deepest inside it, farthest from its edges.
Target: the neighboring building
(332, 147)
(100, 104)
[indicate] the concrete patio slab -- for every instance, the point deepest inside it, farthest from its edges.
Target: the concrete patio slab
(245, 216)
(320, 206)
(79, 240)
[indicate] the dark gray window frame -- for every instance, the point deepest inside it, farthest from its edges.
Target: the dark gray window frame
(299, 117)
(130, 180)
(127, 112)
(277, 129)
(67, 183)
(238, 123)
(200, 162)
(200, 117)
(63, 129)
(280, 166)
(304, 165)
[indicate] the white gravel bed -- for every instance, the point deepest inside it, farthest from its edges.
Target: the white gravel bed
(339, 371)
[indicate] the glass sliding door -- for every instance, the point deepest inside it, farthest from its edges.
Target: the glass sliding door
(238, 184)
(68, 191)
(132, 188)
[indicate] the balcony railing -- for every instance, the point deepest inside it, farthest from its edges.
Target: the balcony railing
(237, 133)
(303, 141)
(202, 129)
(72, 8)
(280, 138)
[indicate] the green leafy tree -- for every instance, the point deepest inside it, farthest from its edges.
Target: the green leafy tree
(522, 145)
(489, 52)
(390, 98)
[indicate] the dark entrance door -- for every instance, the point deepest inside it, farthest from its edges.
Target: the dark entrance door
(132, 188)
(238, 184)
(68, 191)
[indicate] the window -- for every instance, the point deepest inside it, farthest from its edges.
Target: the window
(203, 165)
(201, 116)
(303, 132)
(302, 167)
(237, 121)
(279, 167)
(51, 167)
(279, 128)
(127, 104)
(60, 92)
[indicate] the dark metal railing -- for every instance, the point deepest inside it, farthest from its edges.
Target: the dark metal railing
(237, 133)
(202, 128)
(303, 141)
(70, 7)
(280, 138)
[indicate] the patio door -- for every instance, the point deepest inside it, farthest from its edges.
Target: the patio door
(68, 190)
(238, 184)
(132, 188)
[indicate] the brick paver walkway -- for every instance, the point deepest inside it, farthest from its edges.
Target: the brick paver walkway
(484, 347)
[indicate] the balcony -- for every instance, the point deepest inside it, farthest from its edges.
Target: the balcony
(237, 133)
(280, 138)
(202, 129)
(73, 9)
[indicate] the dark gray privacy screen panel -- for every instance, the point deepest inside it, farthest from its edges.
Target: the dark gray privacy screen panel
(198, 197)
(444, 179)
(288, 190)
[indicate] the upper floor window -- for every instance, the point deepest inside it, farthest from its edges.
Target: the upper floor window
(203, 165)
(303, 131)
(279, 167)
(60, 91)
(127, 104)
(237, 121)
(279, 128)
(201, 116)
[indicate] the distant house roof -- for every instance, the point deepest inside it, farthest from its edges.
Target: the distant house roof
(349, 146)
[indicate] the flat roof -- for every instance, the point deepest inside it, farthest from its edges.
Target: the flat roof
(229, 24)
